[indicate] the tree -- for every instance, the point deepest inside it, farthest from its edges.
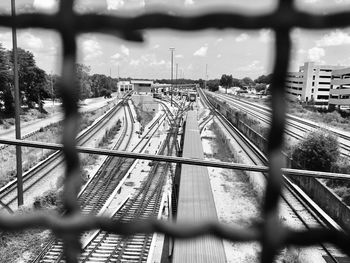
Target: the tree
(99, 85)
(213, 85)
(248, 81)
(264, 79)
(237, 83)
(319, 151)
(5, 83)
(32, 80)
(226, 81)
(201, 83)
(260, 87)
(82, 76)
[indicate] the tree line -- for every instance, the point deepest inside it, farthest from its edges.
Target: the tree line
(227, 81)
(35, 85)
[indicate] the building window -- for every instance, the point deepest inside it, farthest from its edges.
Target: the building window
(324, 83)
(313, 83)
(312, 90)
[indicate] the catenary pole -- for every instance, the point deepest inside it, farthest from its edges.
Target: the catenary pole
(17, 109)
(172, 74)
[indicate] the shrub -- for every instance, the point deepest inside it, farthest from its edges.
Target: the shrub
(50, 199)
(319, 151)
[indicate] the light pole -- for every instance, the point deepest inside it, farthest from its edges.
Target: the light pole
(172, 69)
(176, 84)
(17, 109)
(52, 95)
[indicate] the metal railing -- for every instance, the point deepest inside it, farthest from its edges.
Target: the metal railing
(269, 232)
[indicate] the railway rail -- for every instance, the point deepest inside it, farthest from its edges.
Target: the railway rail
(97, 191)
(40, 171)
(263, 114)
(107, 247)
(307, 212)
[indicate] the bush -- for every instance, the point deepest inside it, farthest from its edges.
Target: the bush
(50, 199)
(319, 151)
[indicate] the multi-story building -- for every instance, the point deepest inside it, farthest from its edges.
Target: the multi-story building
(340, 89)
(311, 84)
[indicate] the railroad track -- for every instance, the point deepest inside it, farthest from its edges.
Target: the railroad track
(107, 247)
(98, 190)
(263, 114)
(42, 170)
(308, 213)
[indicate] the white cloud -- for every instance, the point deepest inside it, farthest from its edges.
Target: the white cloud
(335, 38)
(242, 37)
(129, 4)
(116, 56)
(151, 60)
(254, 66)
(45, 4)
(265, 35)
(157, 63)
(31, 41)
(219, 56)
(114, 4)
(315, 54)
(91, 49)
(219, 40)
(179, 56)
(26, 40)
(156, 46)
(125, 50)
(201, 52)
(326, 1)
(134, 62)
(189, 2)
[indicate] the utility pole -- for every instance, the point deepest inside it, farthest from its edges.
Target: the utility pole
(17, 109)
(172, 74)
(206, 75)
(52, 95)
(176, 75)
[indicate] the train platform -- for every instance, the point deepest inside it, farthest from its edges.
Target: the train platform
(196, 202)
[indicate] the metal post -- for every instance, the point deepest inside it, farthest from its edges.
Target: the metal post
(206, 76)
(172, 69)
(52, 95)
(176, 76)
(17, 110)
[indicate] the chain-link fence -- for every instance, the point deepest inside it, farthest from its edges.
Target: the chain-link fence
(270, 233)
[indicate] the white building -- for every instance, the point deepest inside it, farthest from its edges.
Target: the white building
(125, 86)
(311, 84)
(340, 88)
(142, 86)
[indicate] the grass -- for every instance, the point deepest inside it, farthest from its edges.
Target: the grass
(22, 246)
(334, 118)
(31, 156)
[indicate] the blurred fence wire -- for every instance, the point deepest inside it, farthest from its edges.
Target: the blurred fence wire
(69, 24)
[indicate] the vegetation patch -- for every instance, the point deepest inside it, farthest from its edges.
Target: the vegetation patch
(319, 151)
(22, 246)
(31, 156)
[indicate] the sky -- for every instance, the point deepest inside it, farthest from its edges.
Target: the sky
(240, 53)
